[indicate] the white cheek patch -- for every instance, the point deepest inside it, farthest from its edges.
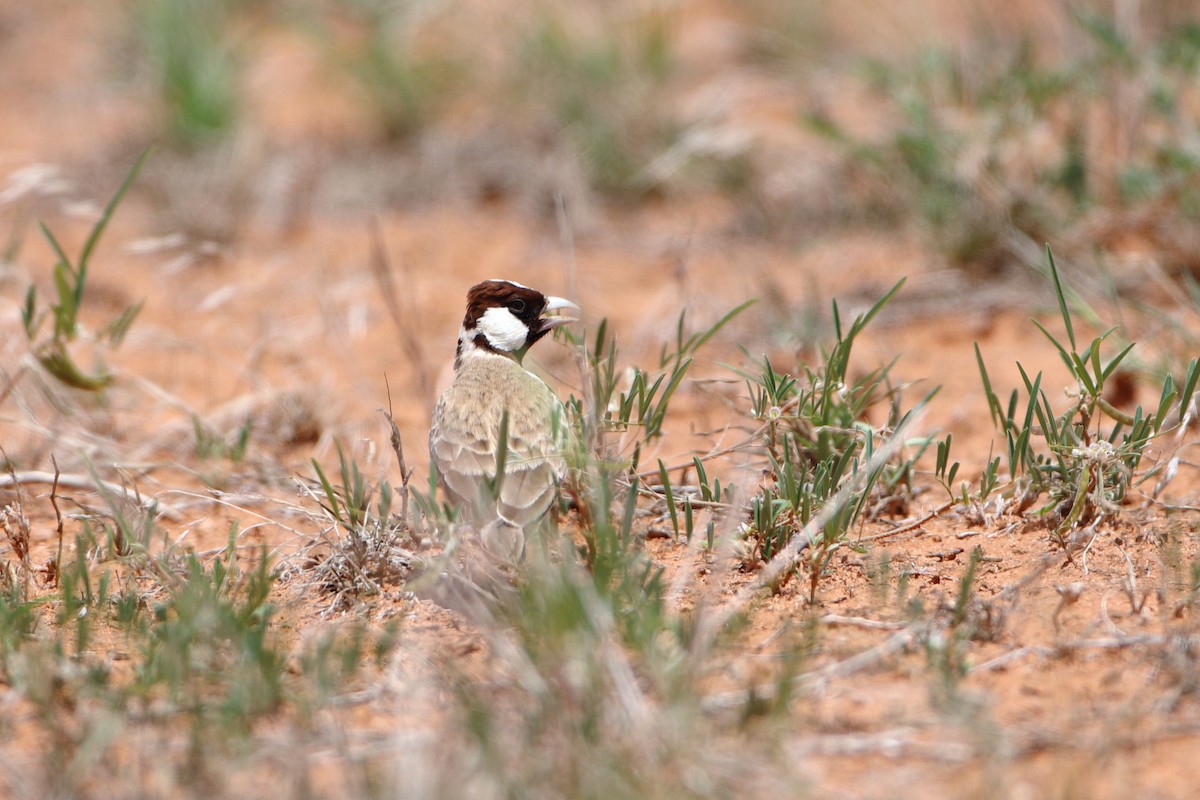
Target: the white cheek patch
(502, 329)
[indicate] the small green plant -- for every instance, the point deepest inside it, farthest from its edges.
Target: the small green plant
(405, 85)
(600, 82)
(947, 644)
(194, 67)
(611, 426)
(945, 472)
(822, 465)
(599, 86)
(333, 659)
(1092, 451)
(644, 404)
(349, 504)
(962, 152)
(371, 551)
(208, 648)
(125, 530)
(201, 664)
(923, 154)
(70, 285)
(211, 444)
(218, 451)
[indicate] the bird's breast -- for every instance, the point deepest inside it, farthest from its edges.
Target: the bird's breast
(471, 409)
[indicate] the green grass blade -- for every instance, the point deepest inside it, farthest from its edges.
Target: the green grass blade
(117, 329)
(962, 603)
(862, 321)
(994, 407)
(702, 479)
(102, 223)
(1189, 386)
(654, 424)
(670, 496)
(58, 249)
(29, 316)
(1116, 361)
(501, 455)
(1062, 300)
(1080, 371)
(334, 507)
(598, 348)
(1062, 351)
(630, 510)
(721, 323)
(58, 363)
(1165, 401)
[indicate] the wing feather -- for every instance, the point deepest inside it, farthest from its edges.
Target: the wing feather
(465, 429)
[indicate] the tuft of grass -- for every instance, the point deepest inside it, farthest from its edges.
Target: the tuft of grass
(599, 85)
(70, 286)
(1092, 451)
(193, 65)
(214, 445)
(822, 463)
(173, 652)
(208, 650)
(610, 427)
(1023, 142)
(947, 642)
(603, 89)
(15, 579)
(373, 547)
(405, 84)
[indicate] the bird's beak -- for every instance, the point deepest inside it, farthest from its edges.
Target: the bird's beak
(571, 313)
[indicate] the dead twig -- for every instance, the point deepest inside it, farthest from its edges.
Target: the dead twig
(745, 444)
(860, 622)
(1068, 595)
(406, 472)
(908, 526)
(1062, 648)
(1003, 660)
(1131, 587)
(58, 521)
(899, 743)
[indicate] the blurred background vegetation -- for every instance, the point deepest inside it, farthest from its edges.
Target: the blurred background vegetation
(989, 129)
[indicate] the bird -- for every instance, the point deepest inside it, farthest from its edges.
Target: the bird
(491, 389)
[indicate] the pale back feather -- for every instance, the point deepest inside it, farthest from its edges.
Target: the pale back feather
(463, 440)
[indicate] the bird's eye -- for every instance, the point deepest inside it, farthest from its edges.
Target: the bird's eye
(517, 306)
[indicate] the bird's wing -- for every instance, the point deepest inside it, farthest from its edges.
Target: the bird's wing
(527, 492)
(535, 461)
(460, 449)
(463, 449)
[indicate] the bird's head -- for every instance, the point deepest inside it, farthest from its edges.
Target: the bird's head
(507, 318)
